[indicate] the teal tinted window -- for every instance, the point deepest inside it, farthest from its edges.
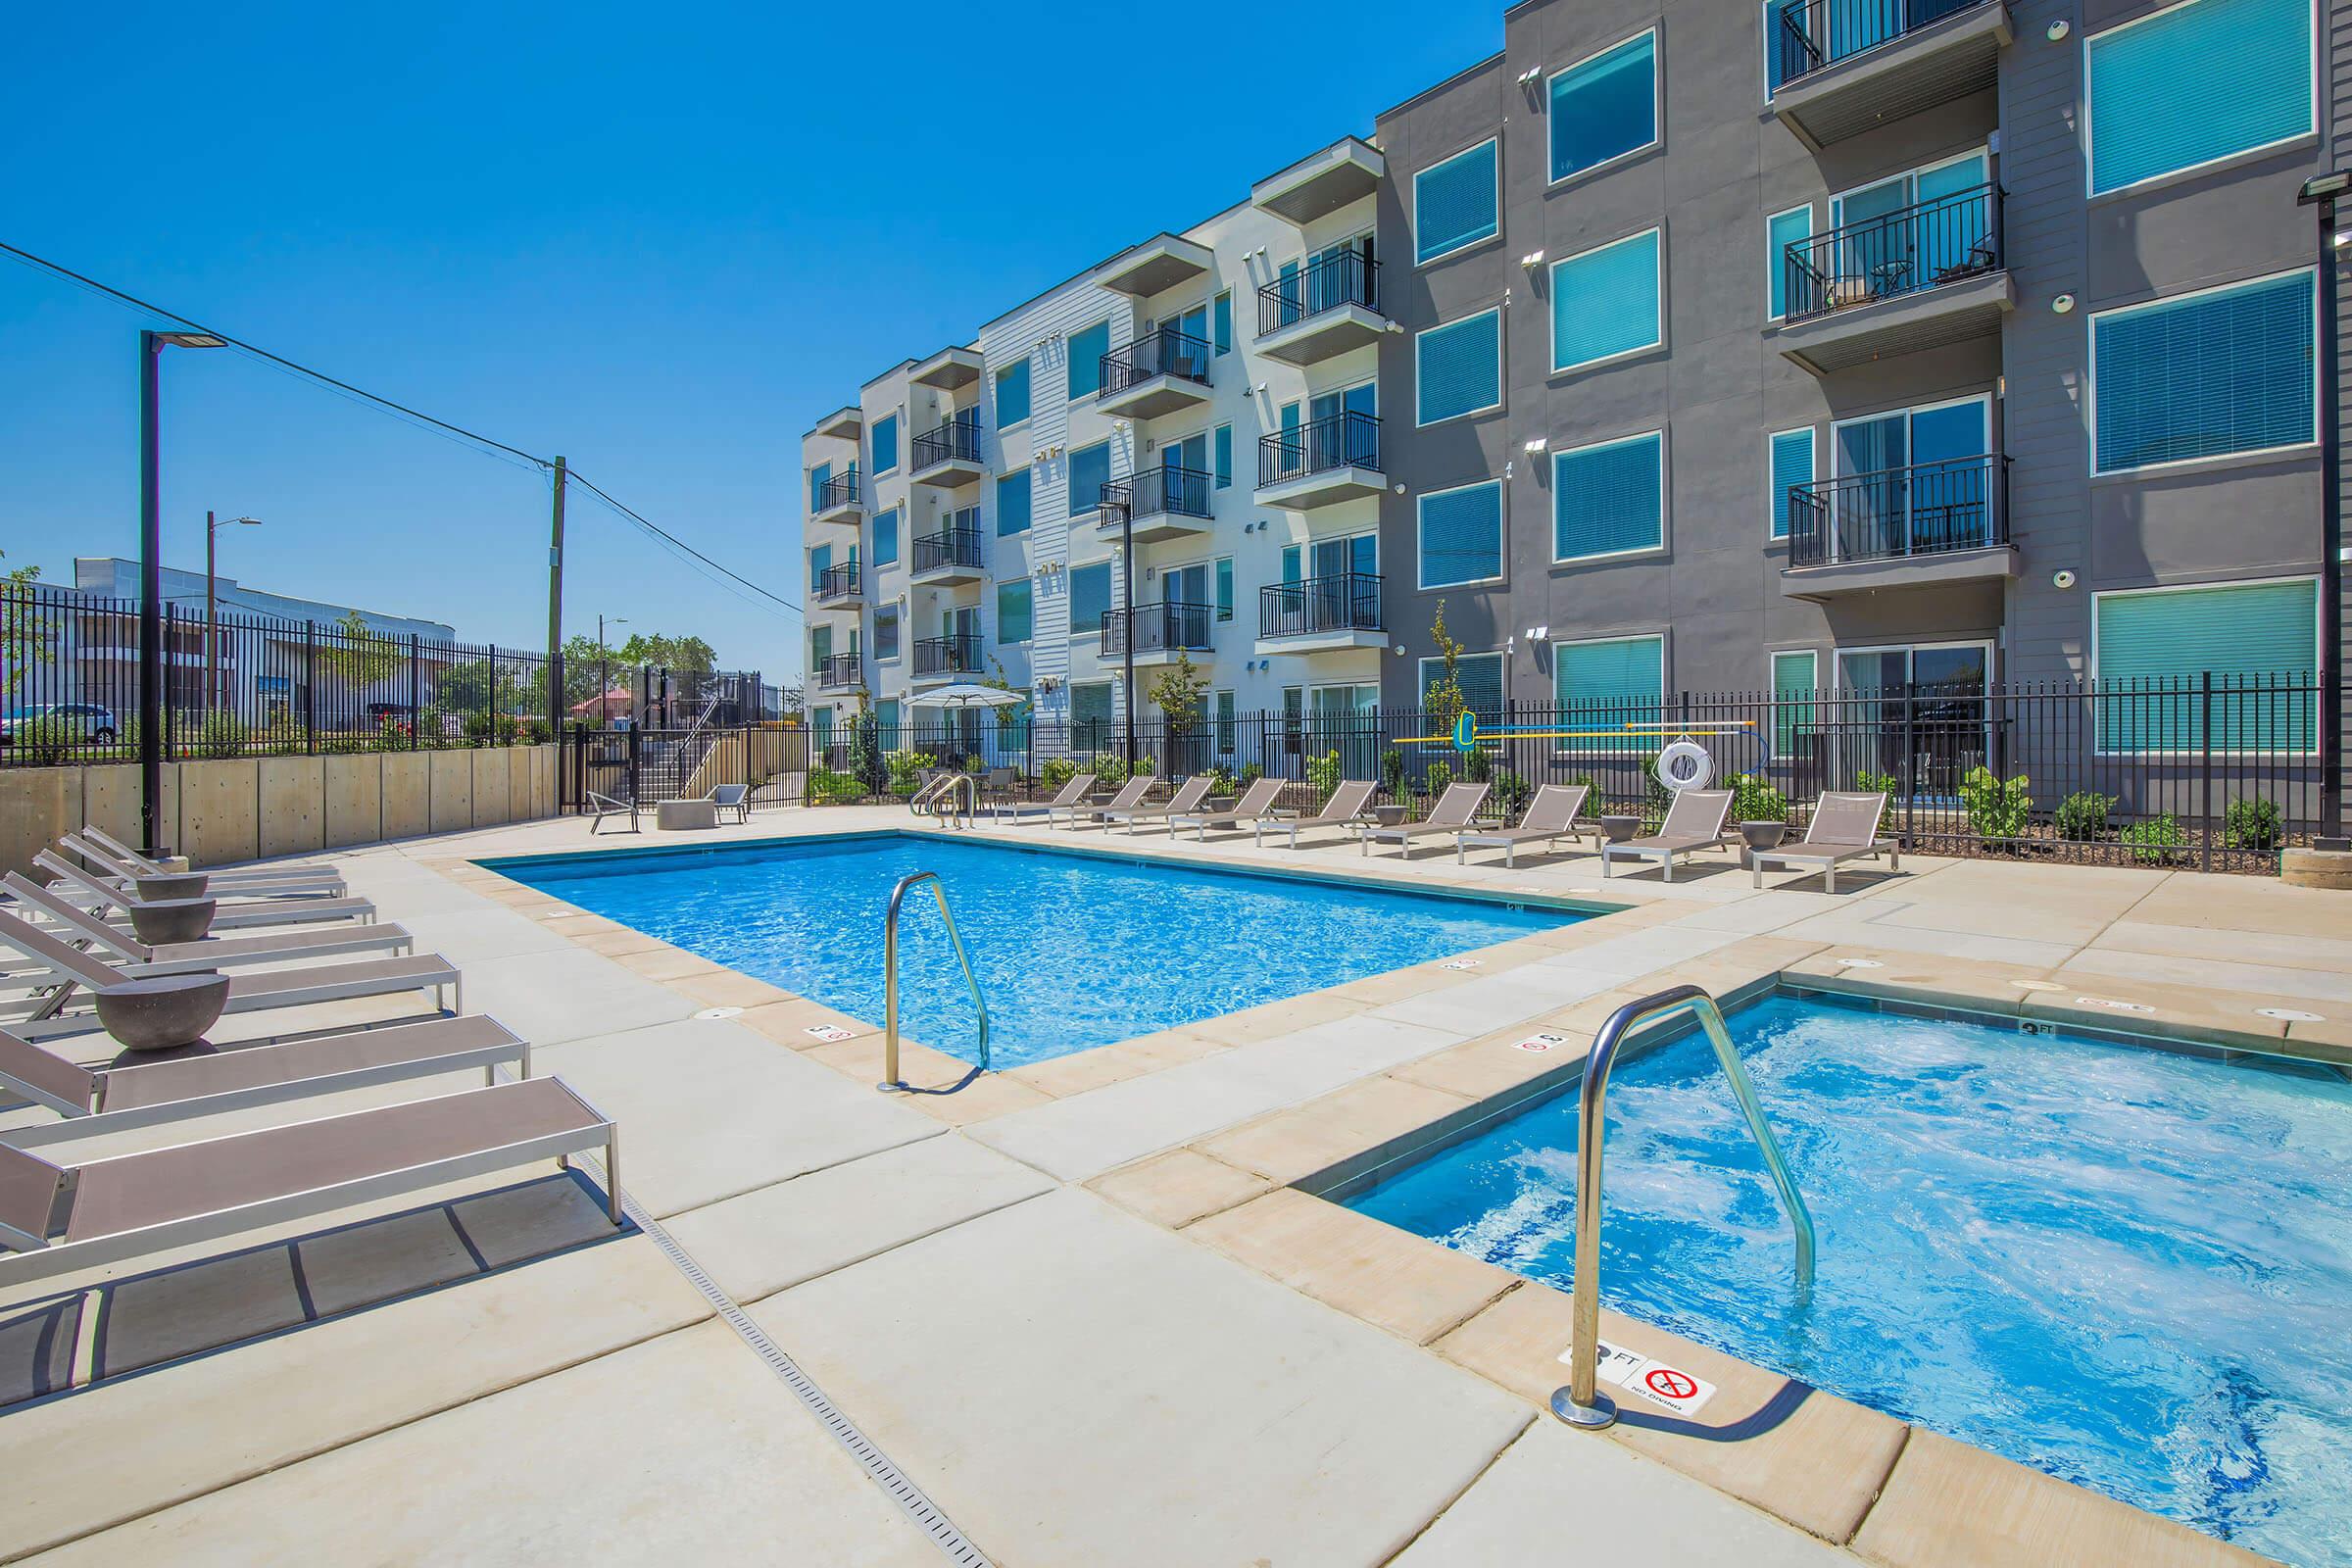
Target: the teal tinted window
(1792, 464)
(1013, 502)
(1224, 587)
(1087, 349)
(1454, 203)
(2231, 370)
(1608, 498)
(1012, 394)
(885, 631)
(886, 444)
(1458, 367)
(1090, 715)
(821, 562)
(1605, 302)
(886, 722)
(1462, 535)
(1480, 676)
(1621, 680)
(1781, 230)
(1221, 323)
(1013, 611)
(1090, 472)
(886, 537)
(2239, 632)
(817, 484)
(1796, 676)
(1224, 457)
(1606, 107)
(1090, 598)
(2195, 83)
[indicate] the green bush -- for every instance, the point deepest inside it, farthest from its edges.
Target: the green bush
(2082, 815)
(1997, 809)
(1477, 767)
(1870, 783)
(1053, 774)
(905, 769)
(1220, 780)
(1110, 770)
(2253, 824)
(536, 733)
(1323, 772)
(1510, 791)
(1756, 800)
(1438, 780)
(1392, 773)
(2153, 841)
(1249, 774)
(829, 788)
(220, 735)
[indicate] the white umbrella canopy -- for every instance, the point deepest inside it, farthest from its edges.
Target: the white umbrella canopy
(966, 695)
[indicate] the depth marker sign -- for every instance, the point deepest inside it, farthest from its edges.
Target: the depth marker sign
(1683, 1393)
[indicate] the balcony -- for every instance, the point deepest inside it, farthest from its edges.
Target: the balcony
(1918, 279)
(945, 559)
(948, 370)
(942, 658)
(948, 456)
(839, 500)
(1321, 183)
(1163, 504)
(1334, 459)
(1162, 631)
(1923, 527)
(1320, 615)
(1155, 266)
(1844, 67)
(840, 671)
(844, 423)
(1161, 372)
(1326, 308)
(838, 587)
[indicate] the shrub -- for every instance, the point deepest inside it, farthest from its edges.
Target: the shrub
(1220, 780)
(1997, 809)
(1054, 772)
(394, 733)
(49, 738)
(1510, 791)
(2082, 815)
(2153, 841)
(1392, 773)
(1249, 774)
(536, 733)
(2253, 824)
(220, 735)
(1439, 779)
(1323, 772)
(1477, 767)
(1870, 783)
(1110, 770)
(829, 788)
(1756, 800)
(905, 767)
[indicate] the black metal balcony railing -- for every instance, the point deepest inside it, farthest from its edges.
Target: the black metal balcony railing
(1163, 351)
(951, 547)
(1334, 441)
(839, 491)
(837, 582)
(1347, 278)
(946, 655)
(1931, 509)
(1345, 600)
(1942, 241)
(959, 439)
(1161, 627)
(1814, 33)
(1151, 491)
(837, 670)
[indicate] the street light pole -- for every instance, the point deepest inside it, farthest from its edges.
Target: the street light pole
(604, 681)
(2322, 192)
(555, 609)
(151, 580)
(211, 617)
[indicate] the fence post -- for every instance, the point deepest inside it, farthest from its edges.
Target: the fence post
(169, 710)
(416, 689)
(634, 781)
(2205, 768)
(1910, 764)
(309, 688)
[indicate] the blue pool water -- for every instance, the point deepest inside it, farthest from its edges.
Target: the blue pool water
(2127, 1267)
(1072, 950)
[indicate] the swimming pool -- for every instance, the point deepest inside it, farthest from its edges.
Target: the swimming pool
(1073, 950)
(2129, 1267)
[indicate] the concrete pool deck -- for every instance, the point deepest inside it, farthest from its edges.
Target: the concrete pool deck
(1080, 1304)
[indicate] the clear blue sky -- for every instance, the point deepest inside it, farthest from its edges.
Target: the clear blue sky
(658, 240)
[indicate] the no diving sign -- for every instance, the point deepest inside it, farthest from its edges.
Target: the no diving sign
(1539, 1042)
(1683, 1393)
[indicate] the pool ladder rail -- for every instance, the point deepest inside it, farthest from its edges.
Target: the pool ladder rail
(1582, 1403)
(934, 799)
(892, 1083)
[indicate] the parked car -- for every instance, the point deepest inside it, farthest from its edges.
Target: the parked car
(91, 722)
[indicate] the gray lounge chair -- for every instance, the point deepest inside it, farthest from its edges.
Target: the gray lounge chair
(56, 1219)
(1344, 808)
(127, 863)
(1845, 827)
(1131, 795)
(231, 914)
(1257, 800)
(1693, 823)
(1452, 813)
(212, 953)
(95, 1101)
(1077, 789)
(604, 806)
(735, 798)
(1188, 798)
(1549, 817)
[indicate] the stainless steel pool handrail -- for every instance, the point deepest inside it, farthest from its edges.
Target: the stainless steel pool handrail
(935, 792)
(1582, 1403)
(891, 1082)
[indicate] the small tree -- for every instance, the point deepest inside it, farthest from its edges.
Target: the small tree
(21, 624)
(1178, 695)
(1444, 699)
(359, 654)
(866, 749)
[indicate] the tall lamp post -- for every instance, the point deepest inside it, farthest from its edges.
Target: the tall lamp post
(2322, 192)
(604, 682)
(151, 580)
(212, 611)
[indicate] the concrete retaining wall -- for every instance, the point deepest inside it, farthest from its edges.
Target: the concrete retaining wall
(244, 808)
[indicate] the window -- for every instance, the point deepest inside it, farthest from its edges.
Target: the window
(1229, 728)
(1090, 472)
(1012, 394)
(1090, 598)
(1087, 349)
(1457, 368)
(1610, 500)
(821, 561)
(2240, 632)
(1604, 302)
(1781, 230)
(1480, 676)
(1462, 535)
(2197, 83)
(886, 445)
(886, 537)
(886, 725)
(1220, 315)
(1013, 502)
(1606, 107)
(1456, 203)
(1224, 457)
(1796, 676)
(1090, 716)
(1779, 40)
(1791, 463)
(885, 631)
(1013, 611)
(818, 477)
(1610, 680)
(1224, 588)
(2228, 369)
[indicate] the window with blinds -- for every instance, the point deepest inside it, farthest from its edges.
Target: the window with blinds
(1792, 464)
(1480, 676)
(1606, 107)
(1462, 535)
(1457, 368)
(2196, 83)
(1457, 203)
(2244, 633)
(1781, 230)
(1611, 499)
(1090, 472)
(2224, 371)
(1605, 302)
(1613, 681)
(1795, 677)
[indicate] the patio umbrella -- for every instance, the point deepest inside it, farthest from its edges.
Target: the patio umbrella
(966, 695)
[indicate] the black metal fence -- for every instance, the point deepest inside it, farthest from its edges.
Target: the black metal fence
(1926, 510)
(1160, 351)
(1947, 240)
(959, 439)
(1150, 492)
(1344, 600)
(1325, 285)
(1334, 441)
(1813, 33)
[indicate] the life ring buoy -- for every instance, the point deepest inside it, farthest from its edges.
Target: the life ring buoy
(1685, 764)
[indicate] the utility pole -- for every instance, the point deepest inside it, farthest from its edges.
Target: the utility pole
(554, 611)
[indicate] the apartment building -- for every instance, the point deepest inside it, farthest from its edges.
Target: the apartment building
(1717, 345)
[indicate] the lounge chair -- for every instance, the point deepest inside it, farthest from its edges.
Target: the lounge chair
(250, 883)
(1452, 813)
(735, 798)
(94, 1101)
(1549, 817)
(1344, 808)
(249, 991)
(1188, 798)
(1845, 827)
(1130, 796)
(604, 806)
(288, 878)
(57, 1220)
(1069, 794)
(212, 953)
(1693, 823)
(1256, 801)
(230, 913)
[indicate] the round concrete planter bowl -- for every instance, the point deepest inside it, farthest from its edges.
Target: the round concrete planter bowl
(186, 885)
(166, 920)
(1763, 835)
(1617, 829)
(163, 1012)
